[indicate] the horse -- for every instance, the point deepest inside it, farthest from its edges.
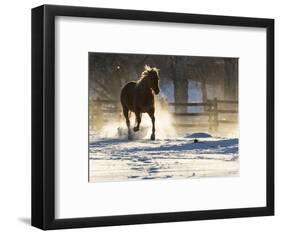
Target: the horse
(138, 97)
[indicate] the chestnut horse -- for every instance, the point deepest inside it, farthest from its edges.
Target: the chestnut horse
(138, 97)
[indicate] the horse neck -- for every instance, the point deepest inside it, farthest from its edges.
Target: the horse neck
(143, 84)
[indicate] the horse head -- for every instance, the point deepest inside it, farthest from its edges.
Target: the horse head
(151, 75)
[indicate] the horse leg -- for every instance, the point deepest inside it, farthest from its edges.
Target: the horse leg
(138, 121)
(126, 115)
(152, 117)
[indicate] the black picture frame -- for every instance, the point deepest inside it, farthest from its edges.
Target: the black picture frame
(43, 116)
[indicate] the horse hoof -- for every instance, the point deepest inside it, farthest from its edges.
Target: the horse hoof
(130, 137)
(135, 129)
(152, 137)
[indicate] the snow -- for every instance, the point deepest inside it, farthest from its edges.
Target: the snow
(117, 159)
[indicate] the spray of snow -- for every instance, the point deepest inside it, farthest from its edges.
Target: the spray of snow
(163, 125)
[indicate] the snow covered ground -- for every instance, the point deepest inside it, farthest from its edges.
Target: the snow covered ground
(117, 159)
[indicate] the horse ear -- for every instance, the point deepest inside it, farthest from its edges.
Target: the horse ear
(147, 67)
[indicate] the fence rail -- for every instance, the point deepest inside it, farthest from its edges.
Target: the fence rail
(211, 110)
(102, 109)
(188, 104)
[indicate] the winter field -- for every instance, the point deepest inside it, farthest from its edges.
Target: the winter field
(196, 117)
(188, 156)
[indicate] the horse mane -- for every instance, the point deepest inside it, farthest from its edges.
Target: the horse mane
(149, 70)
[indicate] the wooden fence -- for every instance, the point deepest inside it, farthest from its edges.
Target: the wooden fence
(213, 113)
(212, 110)
(102, 111)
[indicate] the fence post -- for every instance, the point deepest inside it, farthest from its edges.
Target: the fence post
(99, 113)
(90, 113)
(216, 123)
(209, 105)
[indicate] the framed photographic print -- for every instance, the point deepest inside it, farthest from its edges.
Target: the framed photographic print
(147, 117)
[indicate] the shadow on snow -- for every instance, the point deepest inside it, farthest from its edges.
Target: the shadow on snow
(222, 146)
